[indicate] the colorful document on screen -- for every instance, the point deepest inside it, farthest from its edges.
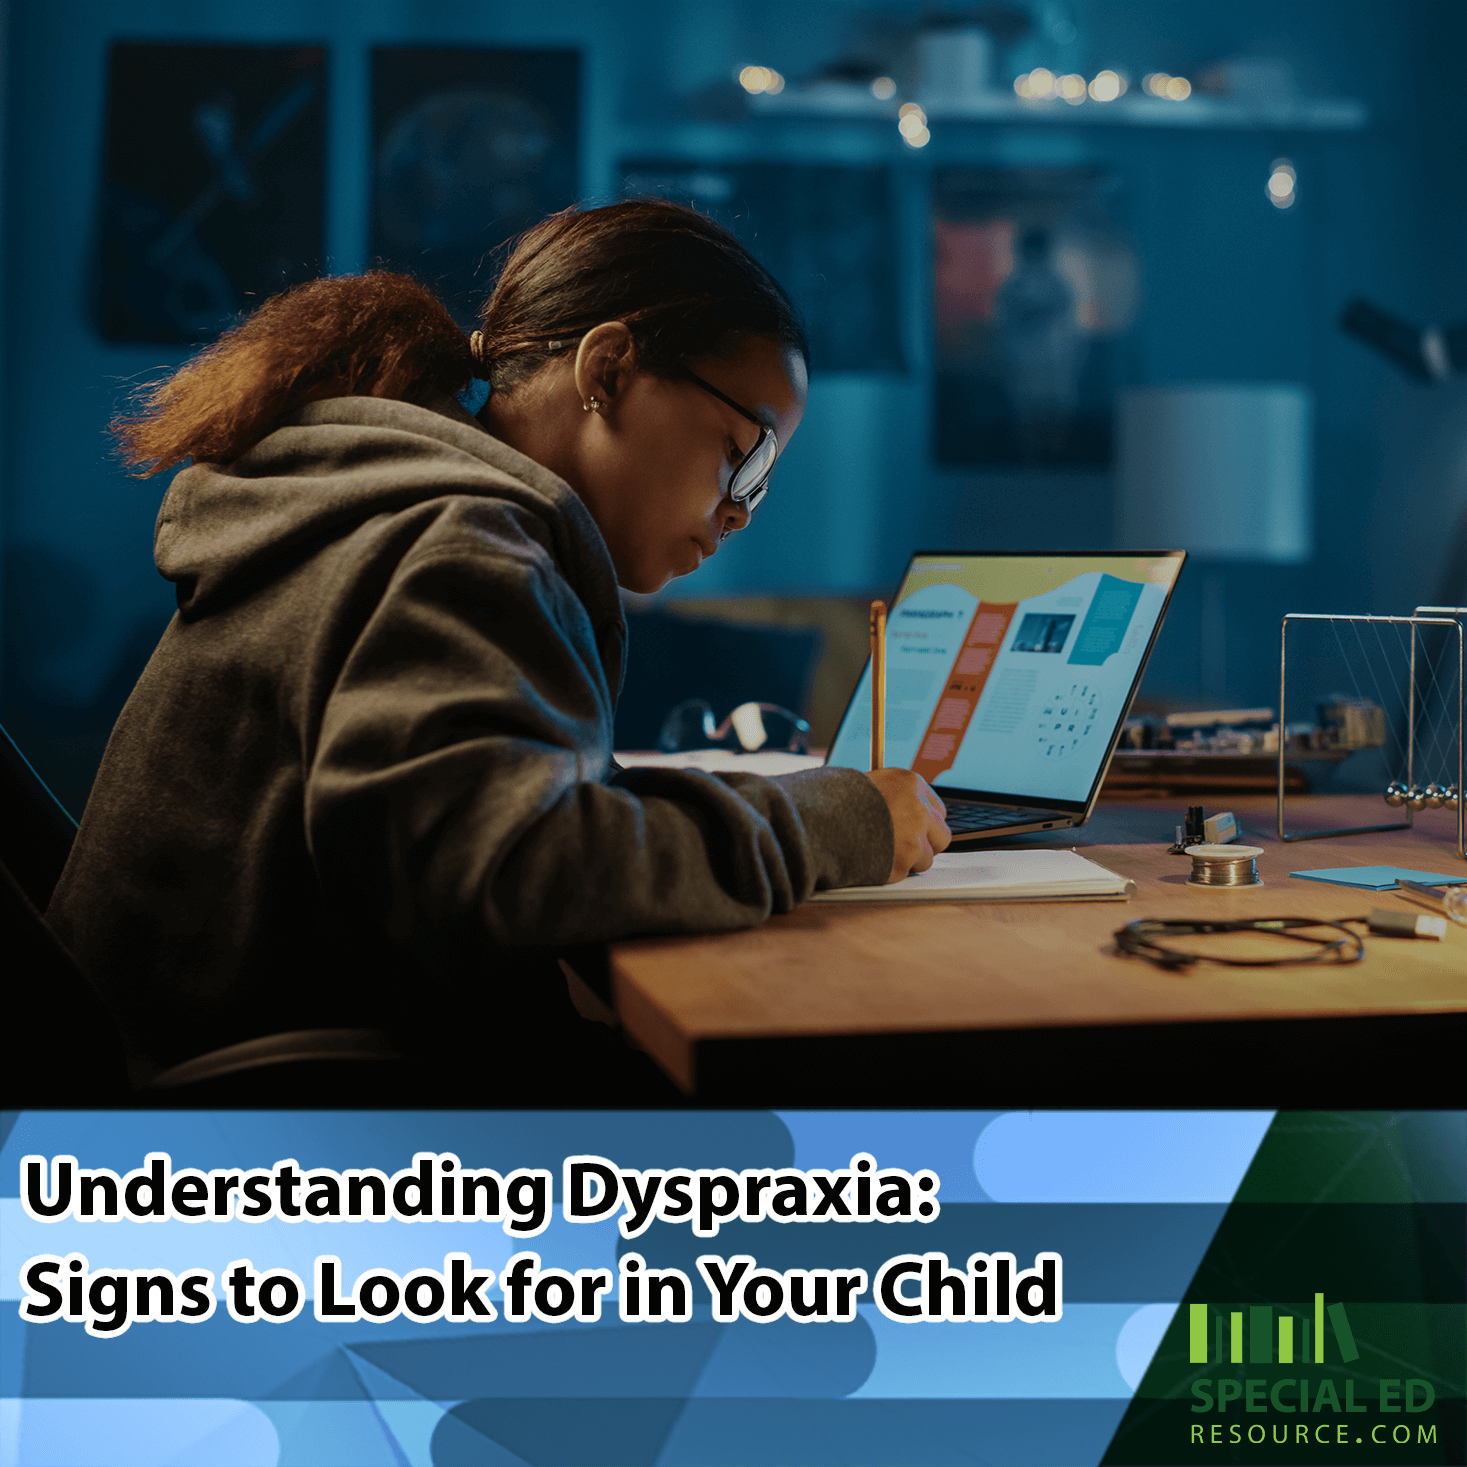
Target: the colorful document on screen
(1009, 674)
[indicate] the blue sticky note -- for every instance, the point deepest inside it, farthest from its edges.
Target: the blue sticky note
(1377, 878)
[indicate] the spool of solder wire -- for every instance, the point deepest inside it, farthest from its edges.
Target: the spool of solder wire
(1224, 866)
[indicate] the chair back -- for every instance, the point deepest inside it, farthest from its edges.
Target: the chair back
(36, 829)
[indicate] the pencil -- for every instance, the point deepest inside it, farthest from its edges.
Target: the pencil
(878, 684)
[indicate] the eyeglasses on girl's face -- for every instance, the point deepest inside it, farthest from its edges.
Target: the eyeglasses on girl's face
(750, 481)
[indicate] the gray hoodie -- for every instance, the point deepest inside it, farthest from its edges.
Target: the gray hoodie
(371, 756)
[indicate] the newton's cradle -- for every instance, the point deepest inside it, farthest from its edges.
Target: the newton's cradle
(1424, 733)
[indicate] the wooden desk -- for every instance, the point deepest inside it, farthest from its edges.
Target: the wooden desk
(1030, 1004)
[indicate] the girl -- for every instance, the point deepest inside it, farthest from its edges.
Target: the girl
(366, 778)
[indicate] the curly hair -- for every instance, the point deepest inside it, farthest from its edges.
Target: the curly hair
(372, 335)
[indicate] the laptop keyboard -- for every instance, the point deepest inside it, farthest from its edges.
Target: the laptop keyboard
(964, 818)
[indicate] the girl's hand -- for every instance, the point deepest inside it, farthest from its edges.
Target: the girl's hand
(918, 819)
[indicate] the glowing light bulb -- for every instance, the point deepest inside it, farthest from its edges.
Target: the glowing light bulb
(1155, 83)
(883, 89)
(756, 79)
(1072, 88)
(912, 124)
(1106, 87)
(1021, 84)
(1178, 89)
(1281, 181)
(1041, 82)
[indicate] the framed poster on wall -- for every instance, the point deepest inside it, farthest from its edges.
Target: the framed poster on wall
(1035, 285)
(211, 187)
(470, 148)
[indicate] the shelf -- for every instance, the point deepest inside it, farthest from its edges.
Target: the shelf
(1197, 113)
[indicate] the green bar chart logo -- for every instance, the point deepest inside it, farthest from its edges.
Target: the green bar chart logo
(1267, 1344)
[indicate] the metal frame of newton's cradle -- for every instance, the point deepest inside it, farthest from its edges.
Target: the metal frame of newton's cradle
(1425, 616)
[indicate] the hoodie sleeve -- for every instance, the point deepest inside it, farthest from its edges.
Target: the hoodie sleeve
(460, 776)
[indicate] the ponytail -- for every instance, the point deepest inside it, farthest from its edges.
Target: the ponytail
(373, 335)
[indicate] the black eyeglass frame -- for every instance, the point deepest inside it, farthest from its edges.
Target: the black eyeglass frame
(749, 497)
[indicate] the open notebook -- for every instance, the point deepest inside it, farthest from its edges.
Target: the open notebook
(997, 876)
(765, 762)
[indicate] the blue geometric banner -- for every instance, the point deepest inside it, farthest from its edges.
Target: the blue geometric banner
(424, 1289)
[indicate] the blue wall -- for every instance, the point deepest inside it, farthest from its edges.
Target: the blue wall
(1233, 290)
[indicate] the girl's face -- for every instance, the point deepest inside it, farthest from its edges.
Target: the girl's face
(653, 459)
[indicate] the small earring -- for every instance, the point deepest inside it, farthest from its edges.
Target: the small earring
(594, 406)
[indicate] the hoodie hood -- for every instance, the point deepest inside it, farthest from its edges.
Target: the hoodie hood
(226, 529)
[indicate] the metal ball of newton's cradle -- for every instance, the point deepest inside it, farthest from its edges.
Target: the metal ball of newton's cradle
(1433, 797)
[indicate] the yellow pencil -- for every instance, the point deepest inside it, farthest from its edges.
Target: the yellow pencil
(878, 684)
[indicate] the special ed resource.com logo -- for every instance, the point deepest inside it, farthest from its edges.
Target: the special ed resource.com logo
(1277, 1337)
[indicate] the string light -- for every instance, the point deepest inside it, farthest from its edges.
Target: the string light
(1034, 86)
(1281, 181)
(883, 89)
(757, 79)
(1170, 88)
(1041, 84)
(912, 124)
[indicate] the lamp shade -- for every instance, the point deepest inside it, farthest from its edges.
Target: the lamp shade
(1219, 469)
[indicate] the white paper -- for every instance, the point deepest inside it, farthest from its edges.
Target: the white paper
(765, 762)
(992, 876)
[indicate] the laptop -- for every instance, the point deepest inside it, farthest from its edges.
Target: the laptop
(1008, 678)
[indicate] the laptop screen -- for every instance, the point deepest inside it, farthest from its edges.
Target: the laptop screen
(1008, 676)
